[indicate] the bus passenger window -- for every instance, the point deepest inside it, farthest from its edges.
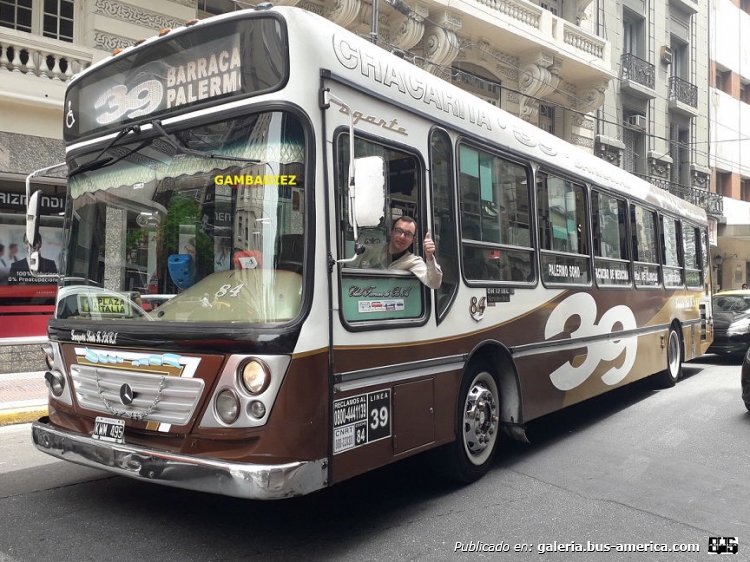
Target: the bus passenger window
(645, 255)
(444, 221)
(671, 252)
(495, 218)
(609, 229)
(692, 242)
(563, 230)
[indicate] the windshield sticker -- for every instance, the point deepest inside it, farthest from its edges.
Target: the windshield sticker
(380, 306)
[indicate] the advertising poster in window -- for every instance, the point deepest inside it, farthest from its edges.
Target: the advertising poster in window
(14, 265)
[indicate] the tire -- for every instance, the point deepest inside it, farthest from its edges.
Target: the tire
(668, 377)
(469, 457)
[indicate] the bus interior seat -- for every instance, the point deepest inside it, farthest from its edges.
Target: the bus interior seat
(290, 252)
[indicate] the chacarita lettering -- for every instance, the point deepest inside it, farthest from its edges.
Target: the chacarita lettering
(373, 65)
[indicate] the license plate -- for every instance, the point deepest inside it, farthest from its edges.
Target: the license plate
(108, 429)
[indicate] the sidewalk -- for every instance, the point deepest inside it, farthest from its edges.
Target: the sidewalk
(23, 397)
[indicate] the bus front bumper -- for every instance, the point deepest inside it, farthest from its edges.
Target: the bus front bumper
(241, 480)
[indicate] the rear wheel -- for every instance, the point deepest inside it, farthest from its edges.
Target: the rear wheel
(469, 457)
(673, 372)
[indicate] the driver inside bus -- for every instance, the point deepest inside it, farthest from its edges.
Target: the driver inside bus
(397, 254)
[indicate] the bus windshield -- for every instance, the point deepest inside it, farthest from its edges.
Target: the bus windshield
(204, 224)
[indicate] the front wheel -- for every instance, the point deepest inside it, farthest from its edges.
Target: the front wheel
(673, 372)
(469, 457)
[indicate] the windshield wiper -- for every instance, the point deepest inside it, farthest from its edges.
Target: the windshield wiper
(192, 152)
(96, 163)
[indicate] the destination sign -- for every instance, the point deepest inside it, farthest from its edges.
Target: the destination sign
(564, 269)
(199, 65)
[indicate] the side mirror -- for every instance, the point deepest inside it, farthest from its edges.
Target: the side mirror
(32, 230)
(369, 183)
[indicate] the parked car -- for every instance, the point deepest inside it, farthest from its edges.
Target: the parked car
(731, 311)
(745, 380)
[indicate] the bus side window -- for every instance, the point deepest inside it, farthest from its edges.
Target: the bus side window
(496, 243)
(645, 254)
(368, 275)
(563, 230)
(609, 226)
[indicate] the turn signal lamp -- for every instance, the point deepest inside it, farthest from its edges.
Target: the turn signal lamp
(55, 381)
(257, 409)
(49, 354)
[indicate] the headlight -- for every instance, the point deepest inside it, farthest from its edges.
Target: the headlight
(227, 406)
(254, 376)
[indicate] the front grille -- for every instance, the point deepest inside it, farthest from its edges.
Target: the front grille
(158, 398)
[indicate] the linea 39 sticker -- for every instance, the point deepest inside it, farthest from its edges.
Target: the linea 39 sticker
(359, 420)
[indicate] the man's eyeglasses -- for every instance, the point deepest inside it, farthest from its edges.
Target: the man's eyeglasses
(404, 233)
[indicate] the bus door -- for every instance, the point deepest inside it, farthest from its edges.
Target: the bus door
(375, 308)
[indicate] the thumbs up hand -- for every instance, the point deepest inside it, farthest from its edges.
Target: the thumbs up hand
(429, 247)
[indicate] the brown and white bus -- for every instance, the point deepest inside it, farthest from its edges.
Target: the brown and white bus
(212, 166)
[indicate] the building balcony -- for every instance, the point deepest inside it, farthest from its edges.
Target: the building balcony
(637, 76)
(35, 69)
(514, 40)
(683, 97)
(712, 203)
(522, 34)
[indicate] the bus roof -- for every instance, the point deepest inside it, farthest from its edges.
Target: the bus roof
(368, 67)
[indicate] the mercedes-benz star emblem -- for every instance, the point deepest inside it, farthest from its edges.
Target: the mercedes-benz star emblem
(126, 394)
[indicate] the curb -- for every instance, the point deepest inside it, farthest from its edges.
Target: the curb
(22, 415)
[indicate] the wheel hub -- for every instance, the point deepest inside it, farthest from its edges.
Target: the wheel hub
(480, 420)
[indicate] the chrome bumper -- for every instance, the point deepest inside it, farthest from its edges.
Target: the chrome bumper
(251, 481)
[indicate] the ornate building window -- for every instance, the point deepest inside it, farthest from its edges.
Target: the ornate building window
(50, 18)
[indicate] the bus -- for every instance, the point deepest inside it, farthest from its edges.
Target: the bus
(238, 167)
